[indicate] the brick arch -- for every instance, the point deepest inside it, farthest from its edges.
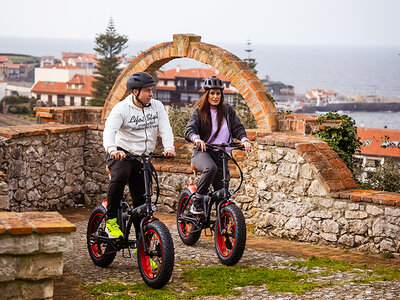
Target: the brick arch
(188, 45)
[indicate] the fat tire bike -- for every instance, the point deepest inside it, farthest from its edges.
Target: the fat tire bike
(228, 227)
(154, 239)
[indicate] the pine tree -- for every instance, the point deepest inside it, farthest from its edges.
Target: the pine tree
(109, 45)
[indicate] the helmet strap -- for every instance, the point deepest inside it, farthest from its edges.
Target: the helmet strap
(137, 98)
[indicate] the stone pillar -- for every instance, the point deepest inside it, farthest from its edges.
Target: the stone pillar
(31, 247)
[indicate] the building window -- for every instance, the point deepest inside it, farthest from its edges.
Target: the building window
(38, 97)
(72, 101)
(82, 101)
(50, 102)
(165, 82)
(60, 100)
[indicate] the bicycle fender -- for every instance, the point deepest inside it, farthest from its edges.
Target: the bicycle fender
(104, 203)
(226, 203)
(150, 220)
(192, 188)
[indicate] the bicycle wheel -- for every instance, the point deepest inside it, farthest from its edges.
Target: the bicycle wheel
(231, 243)
(185, 228)
(100, 252)
(157, 271)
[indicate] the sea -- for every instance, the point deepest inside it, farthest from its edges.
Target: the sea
(347, 70)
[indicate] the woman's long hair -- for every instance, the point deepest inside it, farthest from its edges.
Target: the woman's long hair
(205, 116)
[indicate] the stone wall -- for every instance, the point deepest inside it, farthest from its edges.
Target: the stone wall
(295, 185)
(31, 248)
(51, 167)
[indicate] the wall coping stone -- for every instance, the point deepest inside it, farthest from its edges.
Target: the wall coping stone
(369, 196)
(14, 223)
(38, 129)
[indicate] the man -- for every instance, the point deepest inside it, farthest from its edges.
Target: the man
(132, 126)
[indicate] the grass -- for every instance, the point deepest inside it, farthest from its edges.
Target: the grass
(328, 264)
(112, 290)
(223, 281)
(27, 116)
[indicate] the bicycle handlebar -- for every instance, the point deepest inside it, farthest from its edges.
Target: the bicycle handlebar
(130, 156)
(225, 145)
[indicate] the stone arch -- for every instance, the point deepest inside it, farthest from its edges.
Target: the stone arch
(189, 45)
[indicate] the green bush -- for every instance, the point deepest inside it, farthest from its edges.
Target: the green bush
(15, 99)
(244, 113)
(13, 109)
(18, 109)
(179, 116)
(385, 178)
(342, 138)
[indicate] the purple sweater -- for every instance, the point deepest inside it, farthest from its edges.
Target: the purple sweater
(223, 135)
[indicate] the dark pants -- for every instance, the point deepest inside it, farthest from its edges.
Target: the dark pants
(123, 172)
(209, 163)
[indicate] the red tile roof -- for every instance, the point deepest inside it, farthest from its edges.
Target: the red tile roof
(66, 55)
(192, 73)
(4, 59)
(61, 88)
(373, 139)
(60, 66)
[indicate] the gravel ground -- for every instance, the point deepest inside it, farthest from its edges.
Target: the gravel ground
(78, 263)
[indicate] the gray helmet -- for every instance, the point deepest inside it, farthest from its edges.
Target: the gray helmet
(213, 82)
(139, 80)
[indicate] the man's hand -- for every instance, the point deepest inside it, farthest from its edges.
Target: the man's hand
(170, 153)
(200, 144)
(247, 146)
(117, 154)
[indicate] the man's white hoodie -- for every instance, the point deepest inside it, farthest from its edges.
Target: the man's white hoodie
(135, 129)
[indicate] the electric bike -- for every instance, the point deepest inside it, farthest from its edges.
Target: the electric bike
(228, 227)
(154, 245)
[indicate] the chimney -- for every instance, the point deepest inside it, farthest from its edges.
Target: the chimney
(178, 68)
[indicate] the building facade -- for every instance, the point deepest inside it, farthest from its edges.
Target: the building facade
(179, 87)
(63, 85)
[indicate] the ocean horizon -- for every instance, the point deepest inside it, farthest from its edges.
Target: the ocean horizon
(347, 70)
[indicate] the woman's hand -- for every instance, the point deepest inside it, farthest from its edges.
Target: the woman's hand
(200, 145)
(247, 146)
(117, 154)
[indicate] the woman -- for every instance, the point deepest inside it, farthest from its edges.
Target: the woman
(213, 122)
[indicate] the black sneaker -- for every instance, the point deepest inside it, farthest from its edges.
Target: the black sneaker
(197, 207)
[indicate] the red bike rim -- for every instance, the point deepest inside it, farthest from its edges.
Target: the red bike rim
(144, 259)
(221, 239)
(95, 247)
(184, 226)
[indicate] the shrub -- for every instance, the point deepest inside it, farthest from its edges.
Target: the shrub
(385, 178)
(178, 118)
(342, 138)
(244, 113)
(13, 109)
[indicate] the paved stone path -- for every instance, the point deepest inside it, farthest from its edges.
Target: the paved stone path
(78, 264)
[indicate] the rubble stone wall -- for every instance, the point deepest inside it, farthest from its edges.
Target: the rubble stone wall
(295, 186)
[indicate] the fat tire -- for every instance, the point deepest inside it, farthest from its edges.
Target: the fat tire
(101, 260)
(184, 229)
(164, 259)
(231, 256)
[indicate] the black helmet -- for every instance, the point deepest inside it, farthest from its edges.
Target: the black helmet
(213, 82)
(139, 80)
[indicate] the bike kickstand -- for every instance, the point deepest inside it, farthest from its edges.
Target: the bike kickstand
(129, 252)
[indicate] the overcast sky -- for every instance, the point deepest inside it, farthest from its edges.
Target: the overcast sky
(299, 22)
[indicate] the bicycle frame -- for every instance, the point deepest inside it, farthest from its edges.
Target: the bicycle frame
(144, 211)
